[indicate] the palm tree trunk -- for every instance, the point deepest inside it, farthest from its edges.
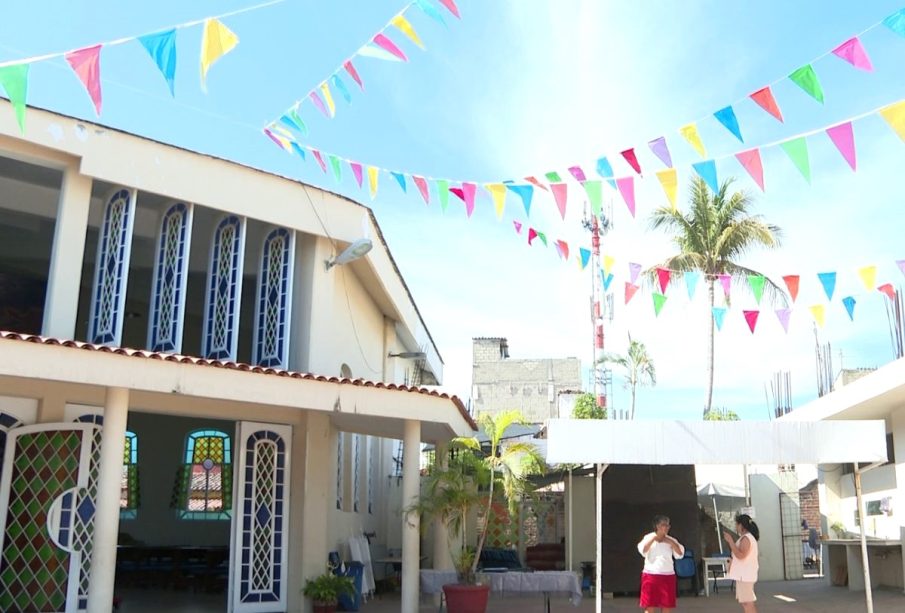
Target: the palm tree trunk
(710, 361)
(477, 553)
(632, 415)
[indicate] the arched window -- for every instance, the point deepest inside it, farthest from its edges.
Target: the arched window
(221, 307)
(111, 270)
(170, 275)
(271, 339)
(206, 482)
(128, 488)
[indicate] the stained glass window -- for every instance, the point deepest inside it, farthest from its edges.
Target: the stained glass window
(271, 341)
(206, 480)
(168, 288)
(128, 488)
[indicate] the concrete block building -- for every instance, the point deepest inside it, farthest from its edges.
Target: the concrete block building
(533, 386)
(189, 396)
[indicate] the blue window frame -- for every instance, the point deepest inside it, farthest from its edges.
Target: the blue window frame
(205, 485)
(111, 272)
(221, 310)
(271, 336)
(170, 276)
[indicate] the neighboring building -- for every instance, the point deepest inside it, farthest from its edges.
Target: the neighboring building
(850, 375)
(874, 395)
(500, 383)
(234, 470)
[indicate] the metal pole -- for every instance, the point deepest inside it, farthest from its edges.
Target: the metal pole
(571, 545)
(868, 594)
(598, 565)
(716, 516)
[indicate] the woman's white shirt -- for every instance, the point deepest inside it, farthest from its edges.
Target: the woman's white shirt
(745, 569)
(659, 558)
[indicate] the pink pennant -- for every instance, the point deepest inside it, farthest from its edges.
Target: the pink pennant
(844, 139)
(663, 278)
(532, 234)
(518, 226)
(852, 51)
(633, 271)
(87, 66)
(270, 135)
(560, 194)
(626, 187)
(751, 318)
(451, 7)
(386, 44)
(353, 73)
(319, 103)
(422, 187)
(725, 281)
(536, 183)
(320, 159)
(751, 162)
(889, 290)
(458, 192)
(356, 170)
(783, 315)
(629, 155)
(630, 290)
(578, 173)
(901, 265)
(563, 248)
(468, 194)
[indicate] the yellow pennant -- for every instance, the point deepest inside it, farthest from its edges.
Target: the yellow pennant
(216, 41)
(498, 193)
(894, 114)
(406, 28)
(819, 313)
(328, 98)
(608, 262)
(670, 182)
(868, 276)
(372, 180)
(690, 132)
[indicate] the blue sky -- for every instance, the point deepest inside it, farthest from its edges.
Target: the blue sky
(525, 87)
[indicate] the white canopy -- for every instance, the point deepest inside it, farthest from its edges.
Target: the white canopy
(588, 441)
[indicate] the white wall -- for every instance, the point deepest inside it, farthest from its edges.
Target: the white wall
(765, 492)
(584, 524)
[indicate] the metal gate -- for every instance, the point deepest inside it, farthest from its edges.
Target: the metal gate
(790, 515)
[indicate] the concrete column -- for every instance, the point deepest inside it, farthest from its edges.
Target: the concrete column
(410, 523)
(62, 300)
(106, 513)
(317, 498)
(442, 555)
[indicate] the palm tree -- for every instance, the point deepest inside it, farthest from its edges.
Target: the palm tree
(509, 466)
(717, 230)
(638, 365)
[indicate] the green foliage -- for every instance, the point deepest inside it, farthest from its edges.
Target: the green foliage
(327, 588)
(723, 414)
(586, 408)
(639, 368)
(711, 237)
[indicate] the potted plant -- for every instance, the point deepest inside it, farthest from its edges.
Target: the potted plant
(449, 495)
(838, 529)
(325, 590)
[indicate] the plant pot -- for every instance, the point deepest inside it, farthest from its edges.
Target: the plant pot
(320, 607)
(466, 598)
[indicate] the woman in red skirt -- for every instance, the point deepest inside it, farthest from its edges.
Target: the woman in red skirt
(658, 579)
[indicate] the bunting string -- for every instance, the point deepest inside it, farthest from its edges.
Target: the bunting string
(379, 46)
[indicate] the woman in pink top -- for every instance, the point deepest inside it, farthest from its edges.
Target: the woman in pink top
(743, 567)
(658, 580)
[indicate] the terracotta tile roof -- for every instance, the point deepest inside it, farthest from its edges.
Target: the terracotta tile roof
(185, 359)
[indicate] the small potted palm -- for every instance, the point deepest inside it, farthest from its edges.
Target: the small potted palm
(449, 495)
(325, 590)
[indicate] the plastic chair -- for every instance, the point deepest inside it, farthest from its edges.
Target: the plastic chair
(687, 568)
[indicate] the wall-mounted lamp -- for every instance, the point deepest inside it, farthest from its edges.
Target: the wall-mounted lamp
(351, 253)
(408, 355)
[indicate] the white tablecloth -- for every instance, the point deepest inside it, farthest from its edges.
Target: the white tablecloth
(549, 581)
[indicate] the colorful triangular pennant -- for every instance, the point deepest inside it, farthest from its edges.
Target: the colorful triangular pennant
(792, 282)
(14, 80)
(373, 173)
(585, 255)
(849, 303)
(765, 100)
(626, 187)
(400, 179)
(634, 270)
(631, 158)
(751, 162)
(161, 46)
(751, 319)
(852, 51)
(783, 315)
(560, 195)
(707, 171)
(594, 190)
(718, 314)
(403, 25)
(630, 290)
(87, 66)
(726, 116)
(526, 193)
(659, 148)
(797, 150)
(757, 286)
(868, 276)
(806, 79)
(659, 301)
(663, 275)
(498, 194)
(690, 133)
(216, 41)
(421, 184)
(828, 281)
(818, 311)
(443, 194)
(691, 282)
(669, 180)
(844, 139)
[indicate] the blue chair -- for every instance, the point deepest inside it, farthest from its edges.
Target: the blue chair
(687, 568)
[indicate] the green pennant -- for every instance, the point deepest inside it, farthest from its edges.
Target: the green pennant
(336, 165)
(757, 286)
(659, 301)
(595, 196)
(806, 79)
(542, 237)
(553, 177)
(443, 193)
(14, 80)
(797, 150)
